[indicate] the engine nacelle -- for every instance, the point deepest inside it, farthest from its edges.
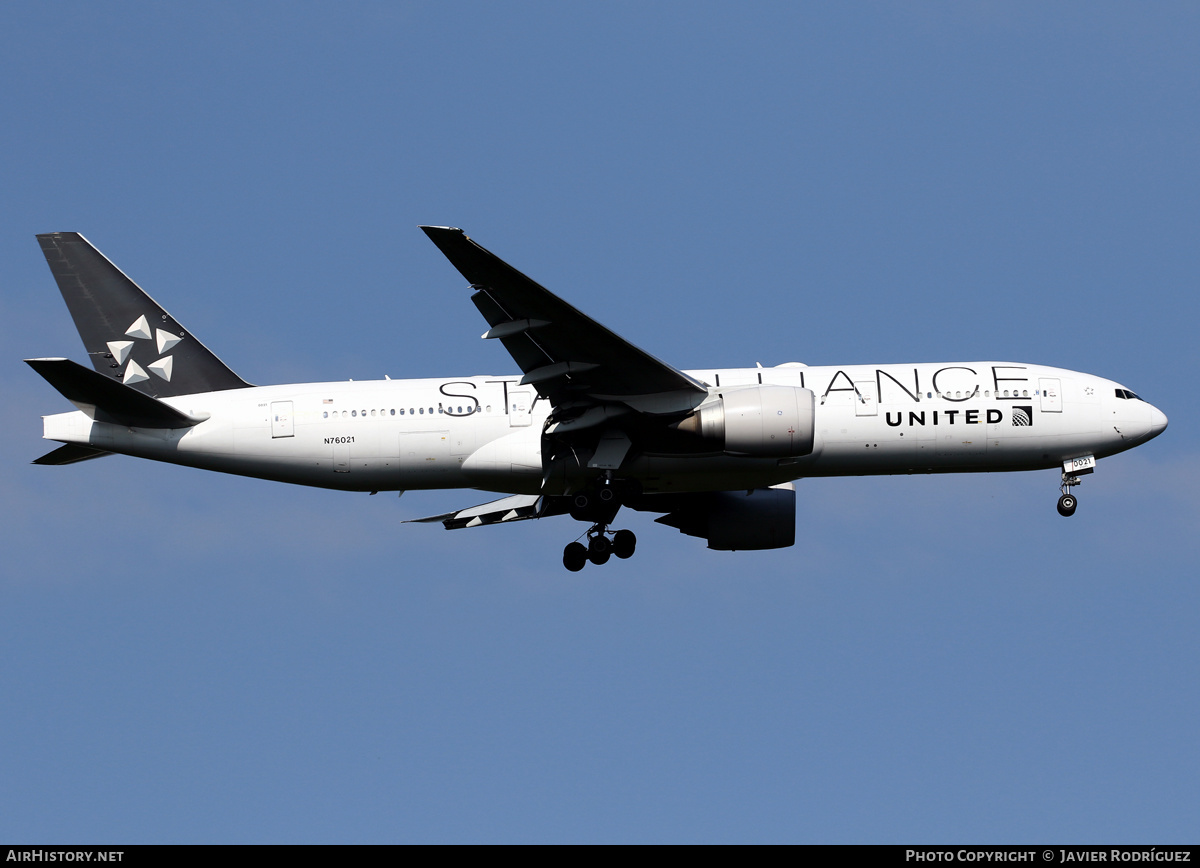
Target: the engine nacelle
(763, 518)
(765, 421)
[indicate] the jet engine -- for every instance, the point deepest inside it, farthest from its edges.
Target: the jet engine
(762, 518)
(764, 421)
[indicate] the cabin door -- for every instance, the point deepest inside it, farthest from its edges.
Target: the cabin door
(281, 419)
(1051, 395)
(867, 398)
(519, 409)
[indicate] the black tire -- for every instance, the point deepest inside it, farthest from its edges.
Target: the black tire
(575, 556)
(1067, 504)
(599, 543)
(624, 542)
(599, 549)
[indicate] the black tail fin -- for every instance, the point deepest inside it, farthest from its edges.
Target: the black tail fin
(128, 336)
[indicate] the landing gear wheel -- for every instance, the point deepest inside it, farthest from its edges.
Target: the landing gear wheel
(599, 549)
(1067, 504)
(575, 556)
(623, 544)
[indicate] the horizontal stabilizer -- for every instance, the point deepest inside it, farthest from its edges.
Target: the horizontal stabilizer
(72, 453)
(515, 508)
(109, 400)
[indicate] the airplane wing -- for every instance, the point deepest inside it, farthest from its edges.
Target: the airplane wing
(568, 357)
(518, 507)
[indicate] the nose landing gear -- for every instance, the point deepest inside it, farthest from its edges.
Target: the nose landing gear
(1068, 501)
(599, 548)
(1072, 469)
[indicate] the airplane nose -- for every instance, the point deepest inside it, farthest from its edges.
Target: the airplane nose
(1158, 421)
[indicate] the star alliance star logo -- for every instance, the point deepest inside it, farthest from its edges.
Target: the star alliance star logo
(140, 331)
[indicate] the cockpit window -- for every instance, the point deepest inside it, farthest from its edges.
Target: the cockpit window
(1127, 395)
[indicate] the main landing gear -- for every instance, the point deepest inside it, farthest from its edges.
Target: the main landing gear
(599, 548)
(1068, 501)
(599, 504)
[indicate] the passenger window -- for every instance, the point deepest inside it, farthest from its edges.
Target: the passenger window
(393, 411)
(326, 416)
(422, 411)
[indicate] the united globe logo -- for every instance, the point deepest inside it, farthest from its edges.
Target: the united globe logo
(1022, 416)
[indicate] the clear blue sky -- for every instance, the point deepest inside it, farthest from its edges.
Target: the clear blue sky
(195, 657)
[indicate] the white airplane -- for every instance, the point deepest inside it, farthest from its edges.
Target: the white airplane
(591, 424)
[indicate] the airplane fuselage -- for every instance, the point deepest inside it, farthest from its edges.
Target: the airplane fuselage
(486, 432)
